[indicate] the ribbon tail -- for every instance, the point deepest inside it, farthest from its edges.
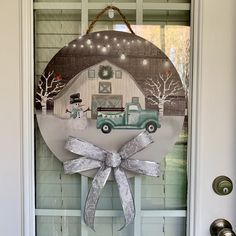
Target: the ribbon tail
(80, 164)
(142, 167)
(98, 184)
(136, 145)
(126, 197)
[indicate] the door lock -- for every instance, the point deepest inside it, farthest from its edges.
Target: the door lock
(221, 227)
(222, 185)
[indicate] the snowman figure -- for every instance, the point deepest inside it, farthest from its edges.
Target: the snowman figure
(78, 119)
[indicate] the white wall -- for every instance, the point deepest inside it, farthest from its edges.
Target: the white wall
(10, 169)
(217, 115)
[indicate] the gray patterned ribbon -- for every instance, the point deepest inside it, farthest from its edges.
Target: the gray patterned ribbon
(95, 157)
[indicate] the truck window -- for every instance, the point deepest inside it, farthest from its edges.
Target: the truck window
(133, 108)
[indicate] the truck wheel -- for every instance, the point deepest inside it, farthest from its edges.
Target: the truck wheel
(106, 128)
(151, 127)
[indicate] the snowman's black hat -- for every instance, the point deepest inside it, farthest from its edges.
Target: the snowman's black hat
(75, 98)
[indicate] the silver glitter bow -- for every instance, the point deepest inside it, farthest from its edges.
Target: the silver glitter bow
(94, 157)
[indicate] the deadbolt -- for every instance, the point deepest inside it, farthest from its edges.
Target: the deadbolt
(222, 185)
(221, 227)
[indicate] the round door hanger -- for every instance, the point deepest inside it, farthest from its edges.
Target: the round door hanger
(106, 88)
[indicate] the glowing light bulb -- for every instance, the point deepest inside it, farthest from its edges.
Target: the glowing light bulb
(104, 49)
(88, 41)
(106, 37)
(81, 45)
(122, 56)
(145, 62)
(80, 37)
(108, 45)
(67, 45)
(115, 39)
(128, 43)
(98, 46)
(124, 40)
(166, 64)
(91, 46)
(98, 34)
(111, 13)
(74, 45)
(118, 45)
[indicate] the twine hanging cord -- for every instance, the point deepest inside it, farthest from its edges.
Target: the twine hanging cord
(102, 12)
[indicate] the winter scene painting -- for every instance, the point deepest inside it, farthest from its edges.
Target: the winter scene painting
(107, 87)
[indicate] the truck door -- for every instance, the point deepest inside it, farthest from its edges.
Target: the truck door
(133, 113)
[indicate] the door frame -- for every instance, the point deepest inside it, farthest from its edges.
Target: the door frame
(27, 117)
(194, 159)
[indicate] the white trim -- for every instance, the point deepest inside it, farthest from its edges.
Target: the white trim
(27, 115)
(84, 16)
(164, 213)
(194, 120)
(111, 213)
(137, 203)
(57, 6)
(84, 190)
(100, 5)
(21, 125)
(139, 12)
(167, 6)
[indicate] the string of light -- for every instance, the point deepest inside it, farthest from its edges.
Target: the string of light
(106, 46)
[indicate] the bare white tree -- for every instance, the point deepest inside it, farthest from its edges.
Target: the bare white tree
(184, 66)
(48, 88)
(162, 90)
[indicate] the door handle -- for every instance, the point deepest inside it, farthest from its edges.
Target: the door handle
(221, 227)
(226, 232)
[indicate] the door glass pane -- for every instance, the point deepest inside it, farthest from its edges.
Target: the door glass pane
(57, 192)
(71, 226)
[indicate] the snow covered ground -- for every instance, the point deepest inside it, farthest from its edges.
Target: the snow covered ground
(55, 132)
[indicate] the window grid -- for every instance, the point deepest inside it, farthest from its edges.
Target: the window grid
(46, 55)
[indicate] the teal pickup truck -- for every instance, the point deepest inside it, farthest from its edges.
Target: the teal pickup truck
(130, 117)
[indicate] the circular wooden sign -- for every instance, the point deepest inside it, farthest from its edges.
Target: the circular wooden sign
(106, 88)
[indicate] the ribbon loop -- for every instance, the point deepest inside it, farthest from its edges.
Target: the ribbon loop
(85, 149)
(96, 157)
(81, 164)
(136, 145)
(142, 167)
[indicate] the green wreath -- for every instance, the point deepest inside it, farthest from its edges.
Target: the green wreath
(105, 72)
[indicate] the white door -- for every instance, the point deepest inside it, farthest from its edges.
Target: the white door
(213, 118)
(214, 105)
